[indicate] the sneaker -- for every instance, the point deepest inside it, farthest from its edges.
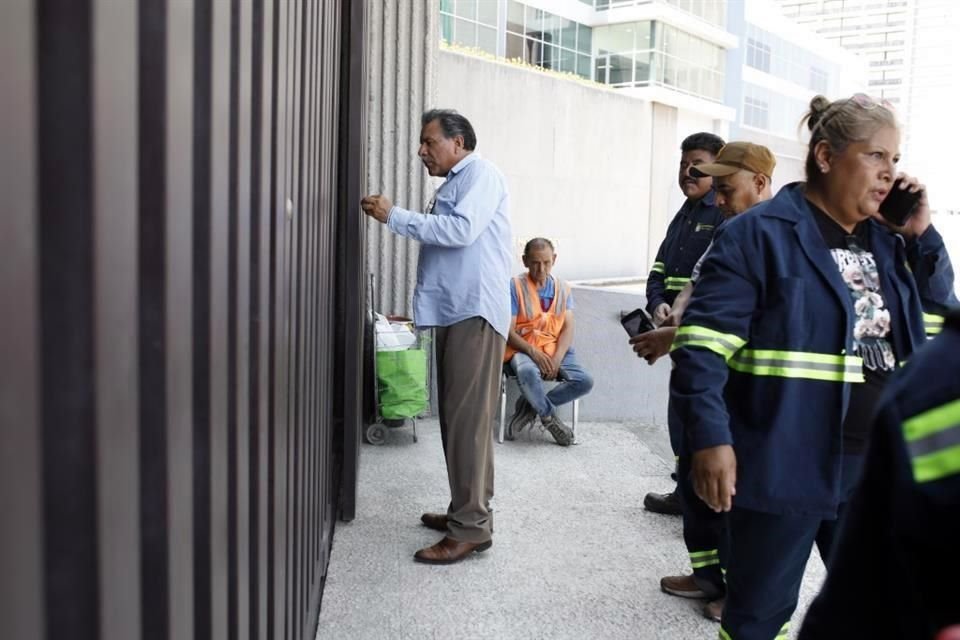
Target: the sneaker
(713, 610)
(665, 503)
(687, 587)
(560, 432)
(523, 416)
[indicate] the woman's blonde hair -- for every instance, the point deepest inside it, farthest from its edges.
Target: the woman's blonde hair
(841, 123)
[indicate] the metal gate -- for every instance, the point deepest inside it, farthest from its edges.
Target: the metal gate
(181, 281)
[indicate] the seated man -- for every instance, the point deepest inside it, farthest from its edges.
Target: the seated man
(540, 341)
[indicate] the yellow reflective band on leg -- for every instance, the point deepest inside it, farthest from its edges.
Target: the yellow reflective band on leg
(724, 635)
(933, 440)
(798, 364)
(932, 323)
(937, 465)
(700, 559)
(723, 344)
(784, 631)
(700, 564)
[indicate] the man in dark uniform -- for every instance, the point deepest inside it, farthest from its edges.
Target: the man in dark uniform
(893, 573)
(688, 236)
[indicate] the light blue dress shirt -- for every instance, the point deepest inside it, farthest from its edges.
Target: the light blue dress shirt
(465, 257)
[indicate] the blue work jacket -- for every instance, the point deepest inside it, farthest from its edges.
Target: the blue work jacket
(688, 236)
(764, 353)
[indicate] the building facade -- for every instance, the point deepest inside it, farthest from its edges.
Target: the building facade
(910, 47)
(773, 75)
(684, 65)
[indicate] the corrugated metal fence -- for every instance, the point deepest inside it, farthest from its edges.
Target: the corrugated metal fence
(181, 280)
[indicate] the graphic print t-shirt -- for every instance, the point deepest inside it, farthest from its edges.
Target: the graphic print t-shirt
(871, 330)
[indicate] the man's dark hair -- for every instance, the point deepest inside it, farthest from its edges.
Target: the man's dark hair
(452, 124)
(537, 243)
(704, 141)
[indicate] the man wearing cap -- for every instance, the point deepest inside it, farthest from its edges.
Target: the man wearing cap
(742, 175)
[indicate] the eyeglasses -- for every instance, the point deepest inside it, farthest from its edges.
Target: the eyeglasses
(867, 102)
(862, 100)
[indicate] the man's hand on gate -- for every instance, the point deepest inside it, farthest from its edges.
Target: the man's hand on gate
(715, 476)
(377, 206)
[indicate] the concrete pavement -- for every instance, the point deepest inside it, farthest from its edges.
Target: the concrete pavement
(575, 555)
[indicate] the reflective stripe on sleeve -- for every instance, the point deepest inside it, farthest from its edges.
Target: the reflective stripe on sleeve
(933, 440)
(798, 364)
(723, 344)
(675, 283)
(658, 267)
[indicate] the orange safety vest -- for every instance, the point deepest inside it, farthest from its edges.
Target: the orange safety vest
(539, 328)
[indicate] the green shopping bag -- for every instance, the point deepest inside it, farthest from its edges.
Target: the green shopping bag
(402, 381)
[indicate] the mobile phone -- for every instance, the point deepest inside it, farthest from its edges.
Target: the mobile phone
(899, 204)
(637, 321)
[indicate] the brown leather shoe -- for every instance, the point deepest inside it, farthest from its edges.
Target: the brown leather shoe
(435, 521)
(449, 551)
(713, 610)
(687, 587)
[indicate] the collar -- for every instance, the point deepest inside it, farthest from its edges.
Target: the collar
(460, 166)
(791, 204)
(534, 282)
(690, 206)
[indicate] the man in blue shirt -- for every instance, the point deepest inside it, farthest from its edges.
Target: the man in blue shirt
(462, 293)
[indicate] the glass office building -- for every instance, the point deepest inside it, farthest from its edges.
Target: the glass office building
(643, 53)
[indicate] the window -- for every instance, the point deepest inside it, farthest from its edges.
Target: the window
(756, 113)
(653, 53)
(470, 23)
(546, 40)
(758, 55)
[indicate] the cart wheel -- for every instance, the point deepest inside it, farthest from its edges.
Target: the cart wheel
(376, 433)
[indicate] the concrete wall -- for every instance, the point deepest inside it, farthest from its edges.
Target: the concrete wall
(403, 39)
(585, 165)
(625, 388)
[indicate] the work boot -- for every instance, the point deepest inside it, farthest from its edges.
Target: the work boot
(524, 415)
(713, 610)
(665, 503)
(560, 432)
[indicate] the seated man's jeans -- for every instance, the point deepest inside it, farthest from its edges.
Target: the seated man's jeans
(573, 382)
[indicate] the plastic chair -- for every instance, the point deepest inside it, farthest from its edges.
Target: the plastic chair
(508, 375)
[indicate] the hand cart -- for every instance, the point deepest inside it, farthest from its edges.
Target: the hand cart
(400, 376)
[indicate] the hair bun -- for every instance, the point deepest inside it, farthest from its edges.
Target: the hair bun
(818, 106)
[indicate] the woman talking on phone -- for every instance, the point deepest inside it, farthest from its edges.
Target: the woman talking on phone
(804, 306)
